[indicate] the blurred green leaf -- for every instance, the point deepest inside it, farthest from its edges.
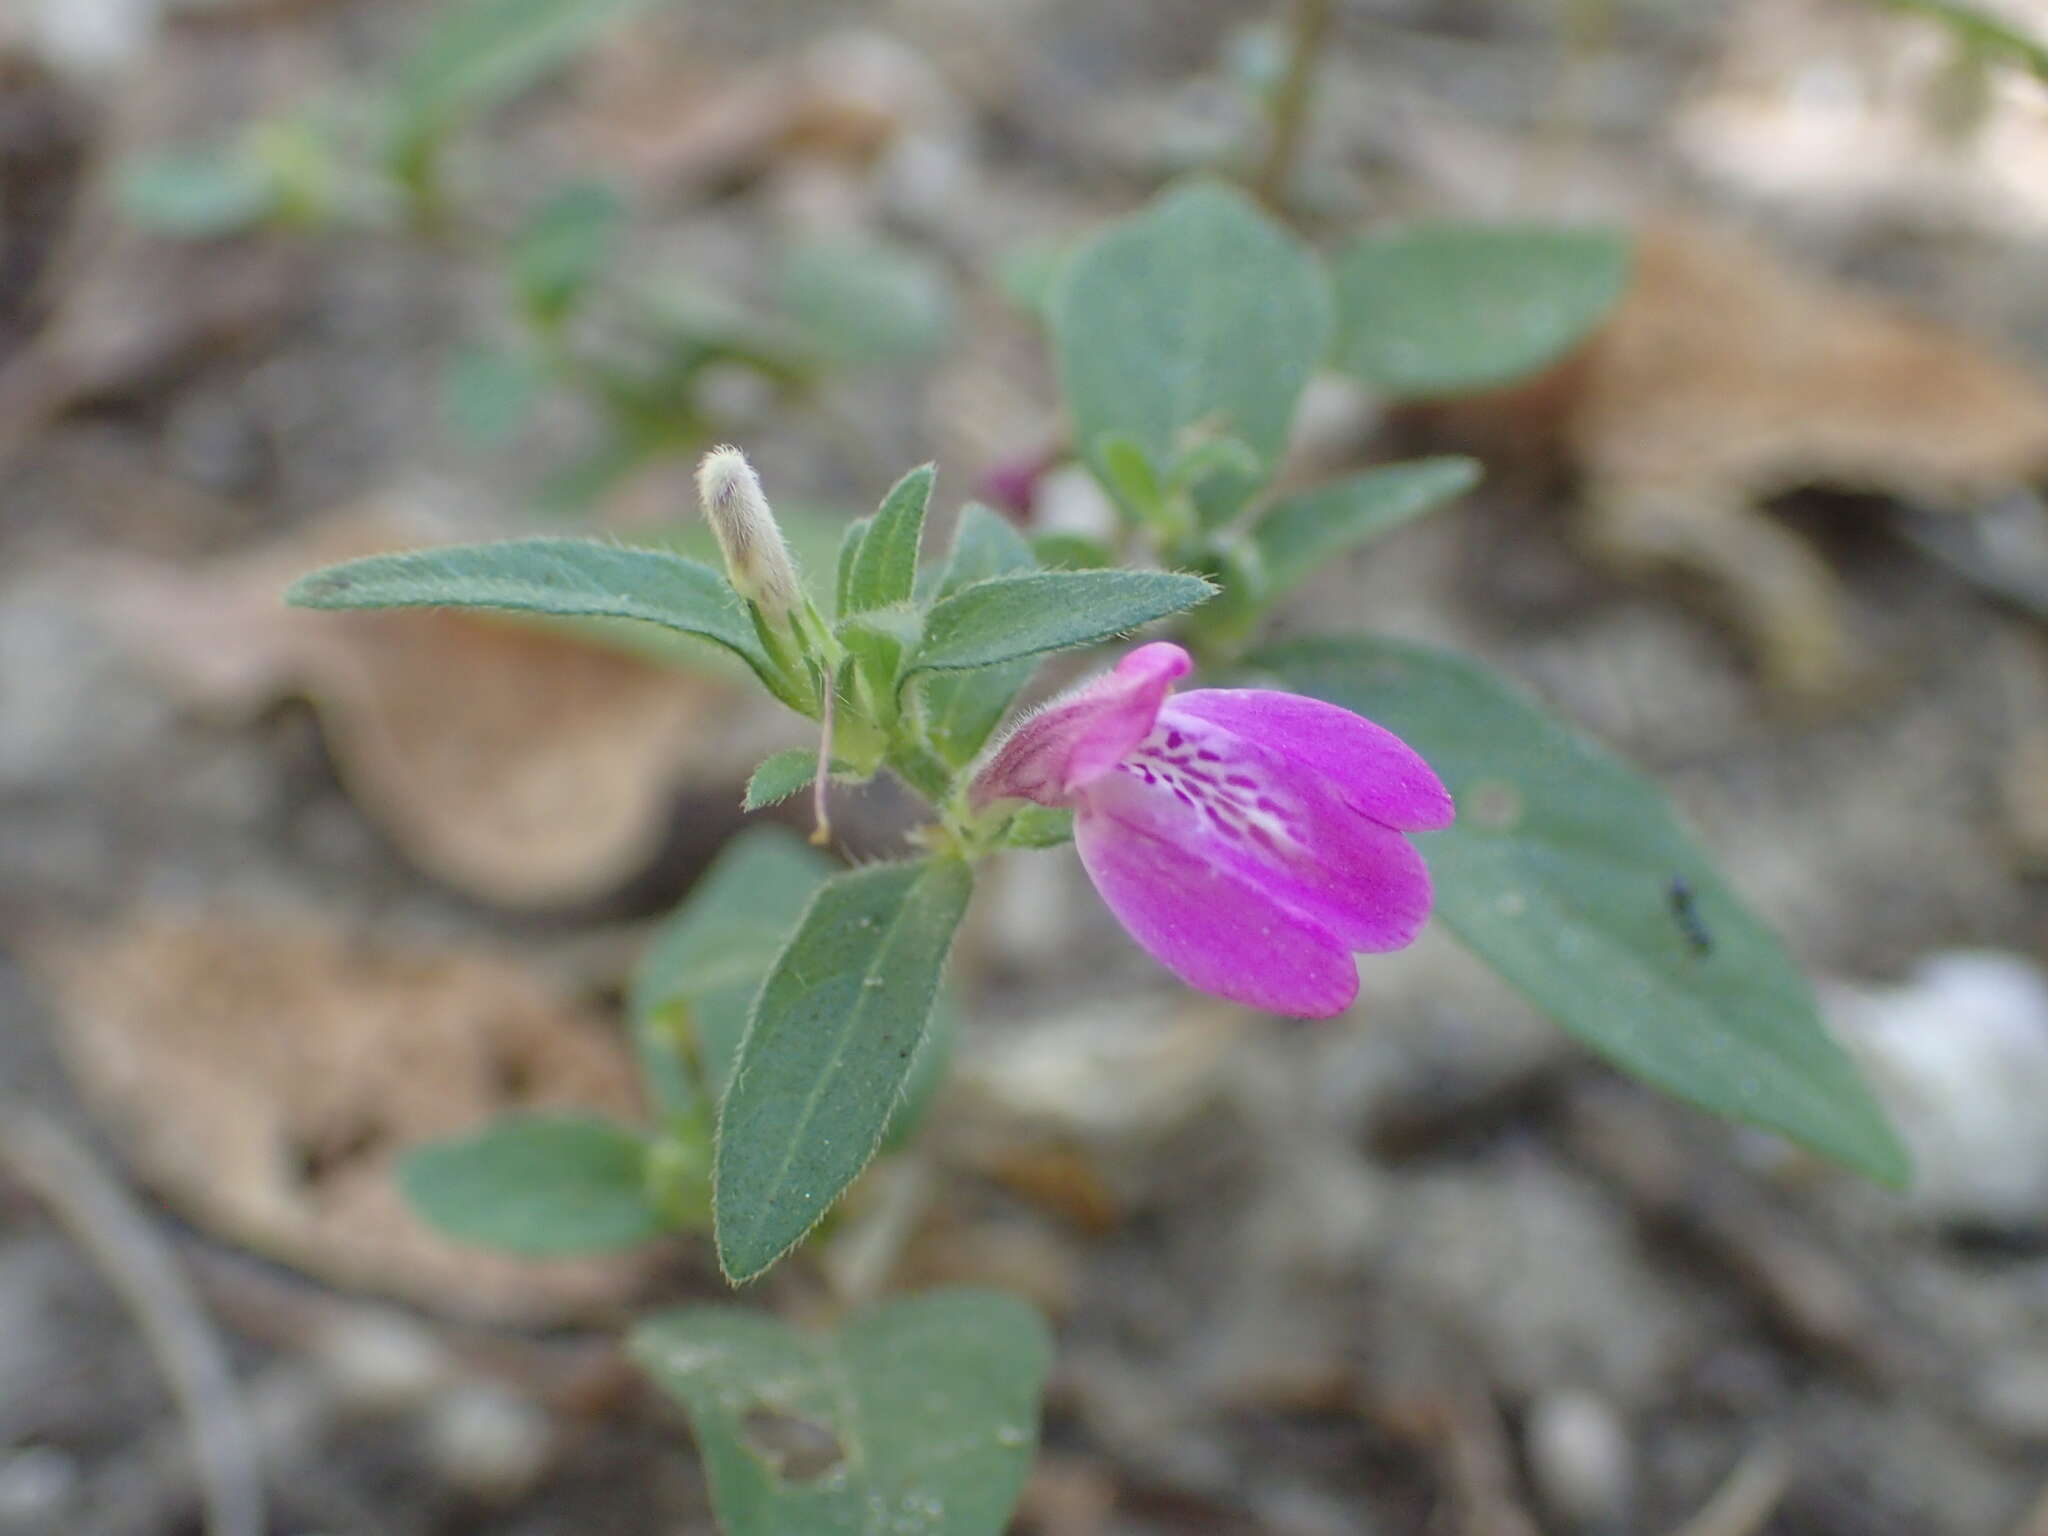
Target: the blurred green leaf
(1197, 314)
(1028, 274)
(828, 1052)
(564, 247)
(1570, 875)
(478, 52)
(1059, 551)
(867, 301)
(1035, 612)
(539, 1185)
(919, 1418)
(1301, 535)
(488, 392)
(197, 194)
(1445, 309)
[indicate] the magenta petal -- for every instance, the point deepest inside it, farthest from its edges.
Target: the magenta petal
(1273, 826)
(1378, 772)
(1212, 929)
(1081, 735)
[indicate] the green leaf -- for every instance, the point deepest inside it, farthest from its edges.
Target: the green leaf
(1561, 873)
(849, 556)
(828, 1052)
(1301, 535)
(885, 563)
(539, 1185)
(1040, 826)
(1006, 617)
(488, 392)
(1072, 552)
(962, 708)
(197, 194)
(564, 246)
(565, 577)
(867, 301)
(1028, 273)
(696, 983)
(1444, 309)
(878, 640)
(787, 773)
(919, 1418)
(1130, 479)
(985, 544)
(1197, 313)
(477, 52)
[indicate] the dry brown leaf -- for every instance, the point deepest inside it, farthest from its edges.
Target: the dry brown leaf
(1725, 378)
(123, 310)
(844, 99)
(519, 763)
(263, 1075)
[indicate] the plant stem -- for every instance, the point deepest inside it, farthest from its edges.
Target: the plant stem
(1308, 29)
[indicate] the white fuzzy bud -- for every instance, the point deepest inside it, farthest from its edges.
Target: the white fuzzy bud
(756, 559)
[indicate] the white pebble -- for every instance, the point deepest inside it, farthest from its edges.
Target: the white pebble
(488, 1441)
(1580, 1458)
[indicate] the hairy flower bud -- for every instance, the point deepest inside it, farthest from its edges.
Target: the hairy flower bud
(756, 559)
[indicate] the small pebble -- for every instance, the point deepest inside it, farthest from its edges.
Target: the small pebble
(381, 1362)
(1580, 1459)
(489, 1442)
(37, 1484)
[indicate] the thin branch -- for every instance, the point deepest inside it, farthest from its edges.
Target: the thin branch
(111, 1228)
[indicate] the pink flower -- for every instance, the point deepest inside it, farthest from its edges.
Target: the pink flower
(1250, 840)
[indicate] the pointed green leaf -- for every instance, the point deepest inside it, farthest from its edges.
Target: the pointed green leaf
(885, 565)
(566, 577)
(1030, 614)
(828, 1052)
(961, 708)
(1302, 534)
(919, 1418)
(1570, 875)
(849, 556)
(697, 981)
(1196, 314)
(539, 1185)
(786, 773)
(1445, 309)
(879, 639)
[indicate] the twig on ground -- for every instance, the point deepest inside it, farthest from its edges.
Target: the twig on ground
(57, 1167)
(1307, 31)
(1742, 1504)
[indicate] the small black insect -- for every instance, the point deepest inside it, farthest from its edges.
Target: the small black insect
(1686, 914)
